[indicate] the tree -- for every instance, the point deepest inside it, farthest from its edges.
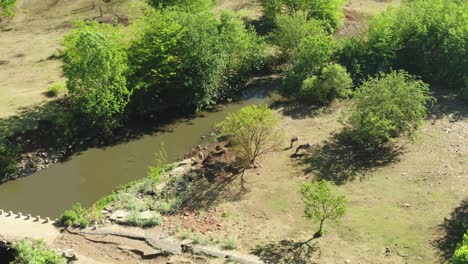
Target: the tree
(7, 8)
(333, 82)
(328, 11)
(185, 5)
(461, 253)
(386, 107)
(253, 131)
(308, 59)
(292, 28)
(95, 64)
(320, 204)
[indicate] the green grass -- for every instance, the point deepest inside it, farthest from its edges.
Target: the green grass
(55, 89)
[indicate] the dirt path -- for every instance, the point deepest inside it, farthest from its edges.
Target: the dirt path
(16, 227)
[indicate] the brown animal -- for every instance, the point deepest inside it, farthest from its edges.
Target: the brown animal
(294, 139)
(304, 147)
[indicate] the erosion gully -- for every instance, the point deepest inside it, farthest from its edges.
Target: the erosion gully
(94, 173)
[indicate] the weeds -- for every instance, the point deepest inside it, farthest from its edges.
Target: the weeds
(55, 89)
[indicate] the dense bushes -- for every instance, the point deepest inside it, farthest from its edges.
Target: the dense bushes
(329, 11)
(186, 61)
(35, 252)
(9, 158)
(184, 5)
(75, 216)
(95, 64)
(428, 38)
(333, 82)
(386, 107)
(7, 8)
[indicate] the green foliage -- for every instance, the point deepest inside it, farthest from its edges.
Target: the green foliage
(320, 203)
(428, 38)
(292, 28)
(230, 243)
(252, 130)
(136, 219)
(184, 5)
(9, 158)
(333, 82)
(76, 216)
(461, 253)
(309, 57)
(55, 89)
(95, 64)
(328, 11)
(183, 61)
(35, 252)
(386, 107)
(7, 8)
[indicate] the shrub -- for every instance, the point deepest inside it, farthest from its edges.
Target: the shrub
(333, 82)
(9, 158)
(76, 216)
(329, 11)
(184, 5)
(292, 28)
(386, 107)
(95, 65)
(55, 89)
(7, 8)
(253, 131)
(461, 253)
(136, 219)
(35, 252)
(230, 243)
(321, 204)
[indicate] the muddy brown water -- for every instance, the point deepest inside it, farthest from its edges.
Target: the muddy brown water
(94, 173)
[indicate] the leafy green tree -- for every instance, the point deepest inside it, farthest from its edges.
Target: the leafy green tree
(7, 8)
(308, 58)
(186, 61)
(333, 82)
(253, 130)
(95, 64)
(320, 204)
(76, 216)
(328, 11)
(35, 252)
(9, 158)
(292, 28)
(386, 107)
(461, 253)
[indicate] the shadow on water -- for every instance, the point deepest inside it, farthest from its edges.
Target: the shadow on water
(452, 230)
(339, 160)
(286, 251)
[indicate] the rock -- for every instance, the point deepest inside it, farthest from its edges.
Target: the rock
(407, 205)
(347, 261)
(201, 155)
(119, 216)
(203, 137)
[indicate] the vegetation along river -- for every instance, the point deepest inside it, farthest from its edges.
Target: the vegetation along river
(91, 174)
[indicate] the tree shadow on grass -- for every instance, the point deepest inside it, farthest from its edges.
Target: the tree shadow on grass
(452, 230)
(339, 160)
(286, 251)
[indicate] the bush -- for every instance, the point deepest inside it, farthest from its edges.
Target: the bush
(461, 253)
(309, 58)
(188, 61)
(76, 216)
(7, 8)
(35, 252)
(253, 131)
(95, 64)
(333, 82)
(136, 219)
(55, 89)
(9, 158)
(427, 38)
(328, 11)
(184, 5)
(292, 28)
(386, 107)
(230, 243)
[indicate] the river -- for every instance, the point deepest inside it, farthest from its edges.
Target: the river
(94, 173)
